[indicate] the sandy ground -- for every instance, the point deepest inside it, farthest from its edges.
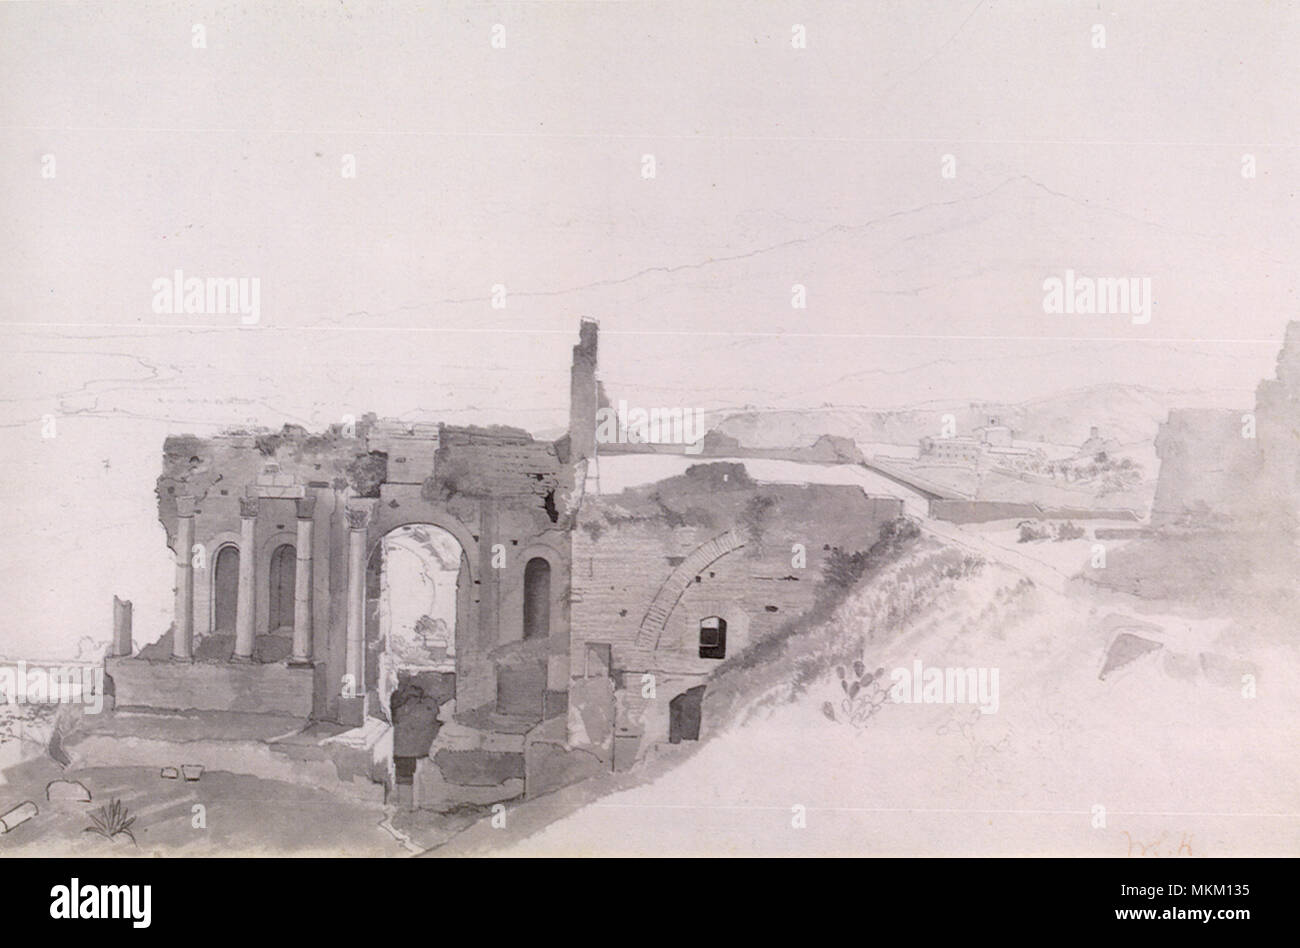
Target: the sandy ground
(236, 815)
(1183, 763)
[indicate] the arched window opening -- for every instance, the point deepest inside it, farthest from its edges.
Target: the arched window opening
(283, 568)
(225, 589)
(537, 598)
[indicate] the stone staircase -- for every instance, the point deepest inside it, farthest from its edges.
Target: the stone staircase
(675, 586)
(477, 758)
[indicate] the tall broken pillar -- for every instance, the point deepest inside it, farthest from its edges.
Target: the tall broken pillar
(122, 645)
(584, 396)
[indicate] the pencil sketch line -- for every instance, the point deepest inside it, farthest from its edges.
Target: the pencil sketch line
(649, 136)
(738, 333)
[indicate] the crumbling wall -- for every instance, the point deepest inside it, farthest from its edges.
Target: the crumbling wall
(218, 472)
(1277, 409)
(1236, 468)
(626, 546)
(504, 496)
(1208, 470)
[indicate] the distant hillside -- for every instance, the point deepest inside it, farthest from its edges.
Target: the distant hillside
(1129, 414)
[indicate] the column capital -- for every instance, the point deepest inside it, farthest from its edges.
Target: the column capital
(358, 514)
(306, 507)
(184, 505)
(247, 508)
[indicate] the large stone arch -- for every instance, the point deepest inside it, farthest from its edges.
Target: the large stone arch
(419, 605)
(670, 592)
(381, 525)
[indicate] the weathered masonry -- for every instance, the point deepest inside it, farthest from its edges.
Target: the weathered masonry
(449, 614)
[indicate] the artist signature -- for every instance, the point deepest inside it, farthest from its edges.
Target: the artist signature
(1162, 845)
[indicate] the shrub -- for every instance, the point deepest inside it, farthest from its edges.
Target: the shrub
(841, 571)
(1031, 530)
(864, 694)
(111, 820)
(719, 475)
(1068, 531)
(754, 518)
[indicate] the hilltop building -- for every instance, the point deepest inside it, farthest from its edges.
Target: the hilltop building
(1095, 445)
(991, 445)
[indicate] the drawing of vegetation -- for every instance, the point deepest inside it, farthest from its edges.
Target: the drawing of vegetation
(111, 821)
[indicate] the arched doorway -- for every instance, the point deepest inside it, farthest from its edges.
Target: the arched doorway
(684, 715)
(225, 589)
(418, 587)
(414, 584)
(537, 598)
(283, 568)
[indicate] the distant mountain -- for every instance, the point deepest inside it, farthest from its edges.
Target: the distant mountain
(1129, 414)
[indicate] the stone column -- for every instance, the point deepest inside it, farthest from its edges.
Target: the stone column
(246, 609)
(352, 706)
(302, 583)
(489, 631)
(183, 634)
(122, 645)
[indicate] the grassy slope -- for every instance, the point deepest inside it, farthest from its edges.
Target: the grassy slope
(1181, 761)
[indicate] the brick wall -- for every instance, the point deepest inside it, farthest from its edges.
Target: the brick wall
(202, 686)
(623, 553)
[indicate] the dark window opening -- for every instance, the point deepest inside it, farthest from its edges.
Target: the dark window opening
(713, 637)
(537, 598)
(283, 569)
(404, 769)
(225, 589)
(684, 714)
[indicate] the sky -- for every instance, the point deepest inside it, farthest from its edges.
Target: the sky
(506, 145)
(522, 167)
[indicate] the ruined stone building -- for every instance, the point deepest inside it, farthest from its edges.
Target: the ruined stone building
(454, 614)
(1220, 467)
